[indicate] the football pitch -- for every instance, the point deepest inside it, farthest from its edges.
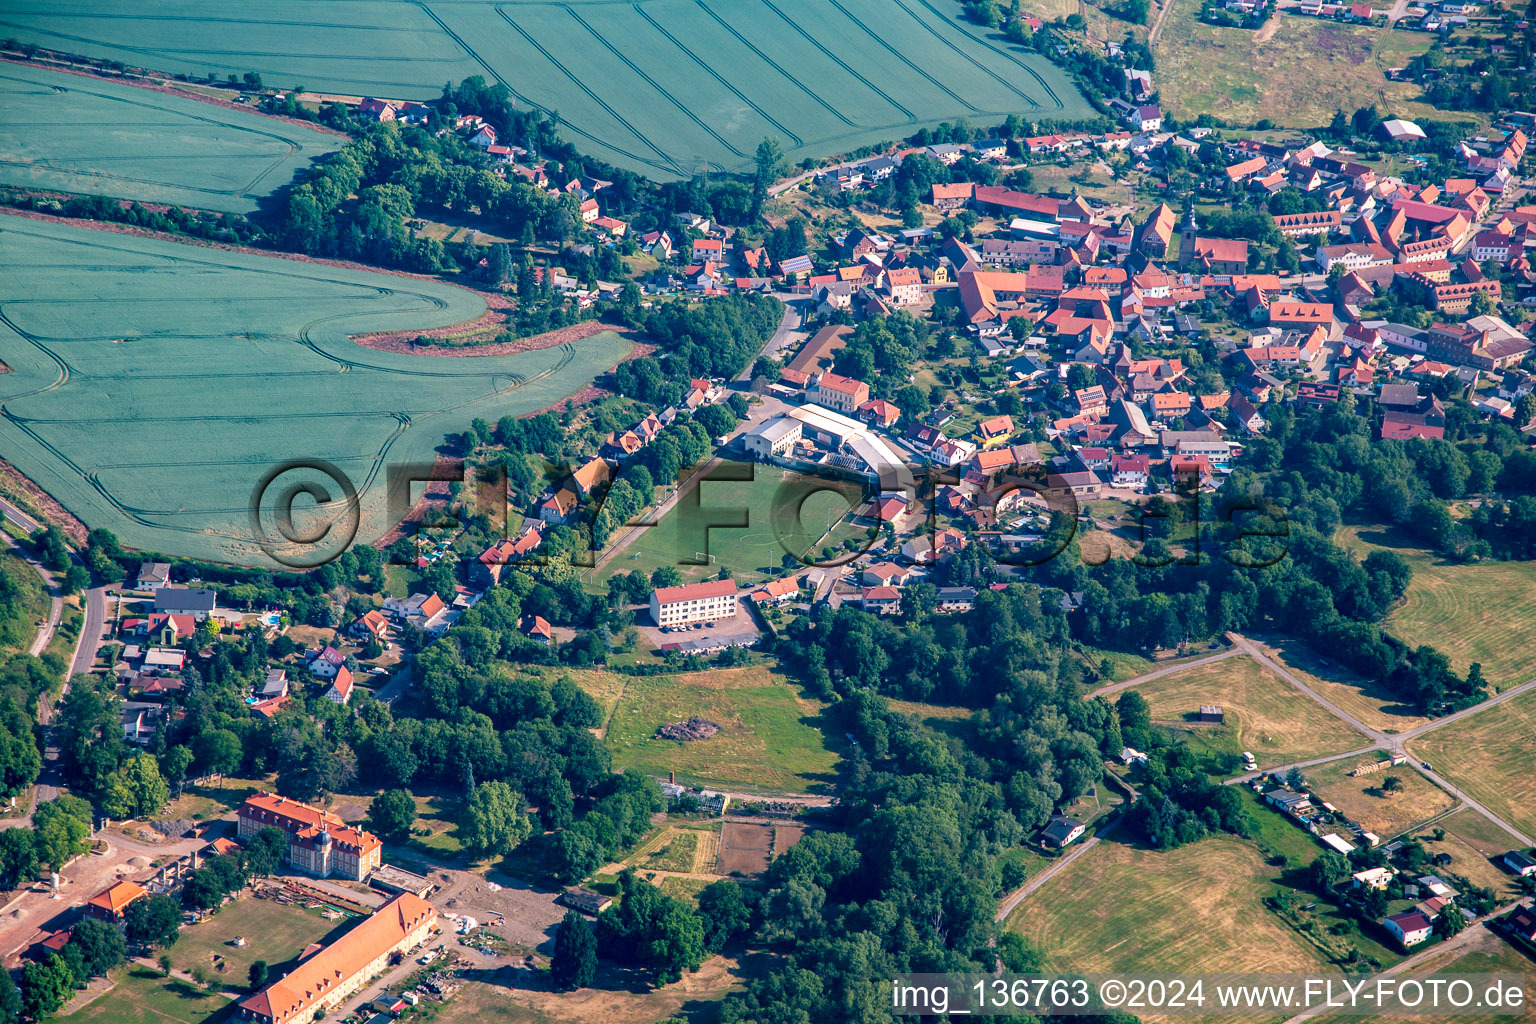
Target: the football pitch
(155, 387)
(666, 88)
(78, 134)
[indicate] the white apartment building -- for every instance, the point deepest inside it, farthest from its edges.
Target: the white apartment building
(693, 602)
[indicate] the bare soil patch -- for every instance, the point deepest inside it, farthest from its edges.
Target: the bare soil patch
(686, 732)
(744, 848)
(402, 341)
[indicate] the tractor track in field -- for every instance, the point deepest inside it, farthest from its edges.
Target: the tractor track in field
(682, 108)
(752, 48)
(1022, 66)
(290, 148)
(871, 86)
(594, 97)
(903, 59)
(499, 381)
(711, 72)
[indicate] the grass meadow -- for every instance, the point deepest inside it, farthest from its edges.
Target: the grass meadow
(272, 932)
(156, 385)
(665, 88)
(1194, 909)
(746, 525)
(1489, 954)
(1472, 613)
(1365, 699)
(142, 996)
(1387, 814)
(1263, 713)
(1295, 70)
(769, 739)
(74, 134)
(1492, 756)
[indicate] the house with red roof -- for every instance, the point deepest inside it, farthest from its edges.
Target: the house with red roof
(340, 690)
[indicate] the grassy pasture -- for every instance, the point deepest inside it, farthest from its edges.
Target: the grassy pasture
(1478, 833)
(613, 999)
(272, 932)
(155, 384)
(768, 740)
(1264, 714)
(1470, 612)
(761, 519)
(1491, 755)
(1193, 909)
(1296, 71)
(663, 87)
(1470, 863)
(75, 134)
(1489, 954)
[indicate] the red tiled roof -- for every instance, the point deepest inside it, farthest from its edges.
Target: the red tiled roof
(329, 969)
(694, 591)
(114, 899)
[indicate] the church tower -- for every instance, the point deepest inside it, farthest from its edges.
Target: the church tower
(1187, 236)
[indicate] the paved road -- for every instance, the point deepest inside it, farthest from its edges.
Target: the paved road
(90, 632)
(1392, 742)
(1282, 769)
(1159, 673)
(17, 517)
(788, 333)
(1465, 712)
(1450, 787)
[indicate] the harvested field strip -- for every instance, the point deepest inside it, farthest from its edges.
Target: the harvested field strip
(1263, 713)
(193, 371)
(1192, 909)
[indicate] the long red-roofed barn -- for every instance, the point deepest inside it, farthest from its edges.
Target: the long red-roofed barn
(330, 975)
